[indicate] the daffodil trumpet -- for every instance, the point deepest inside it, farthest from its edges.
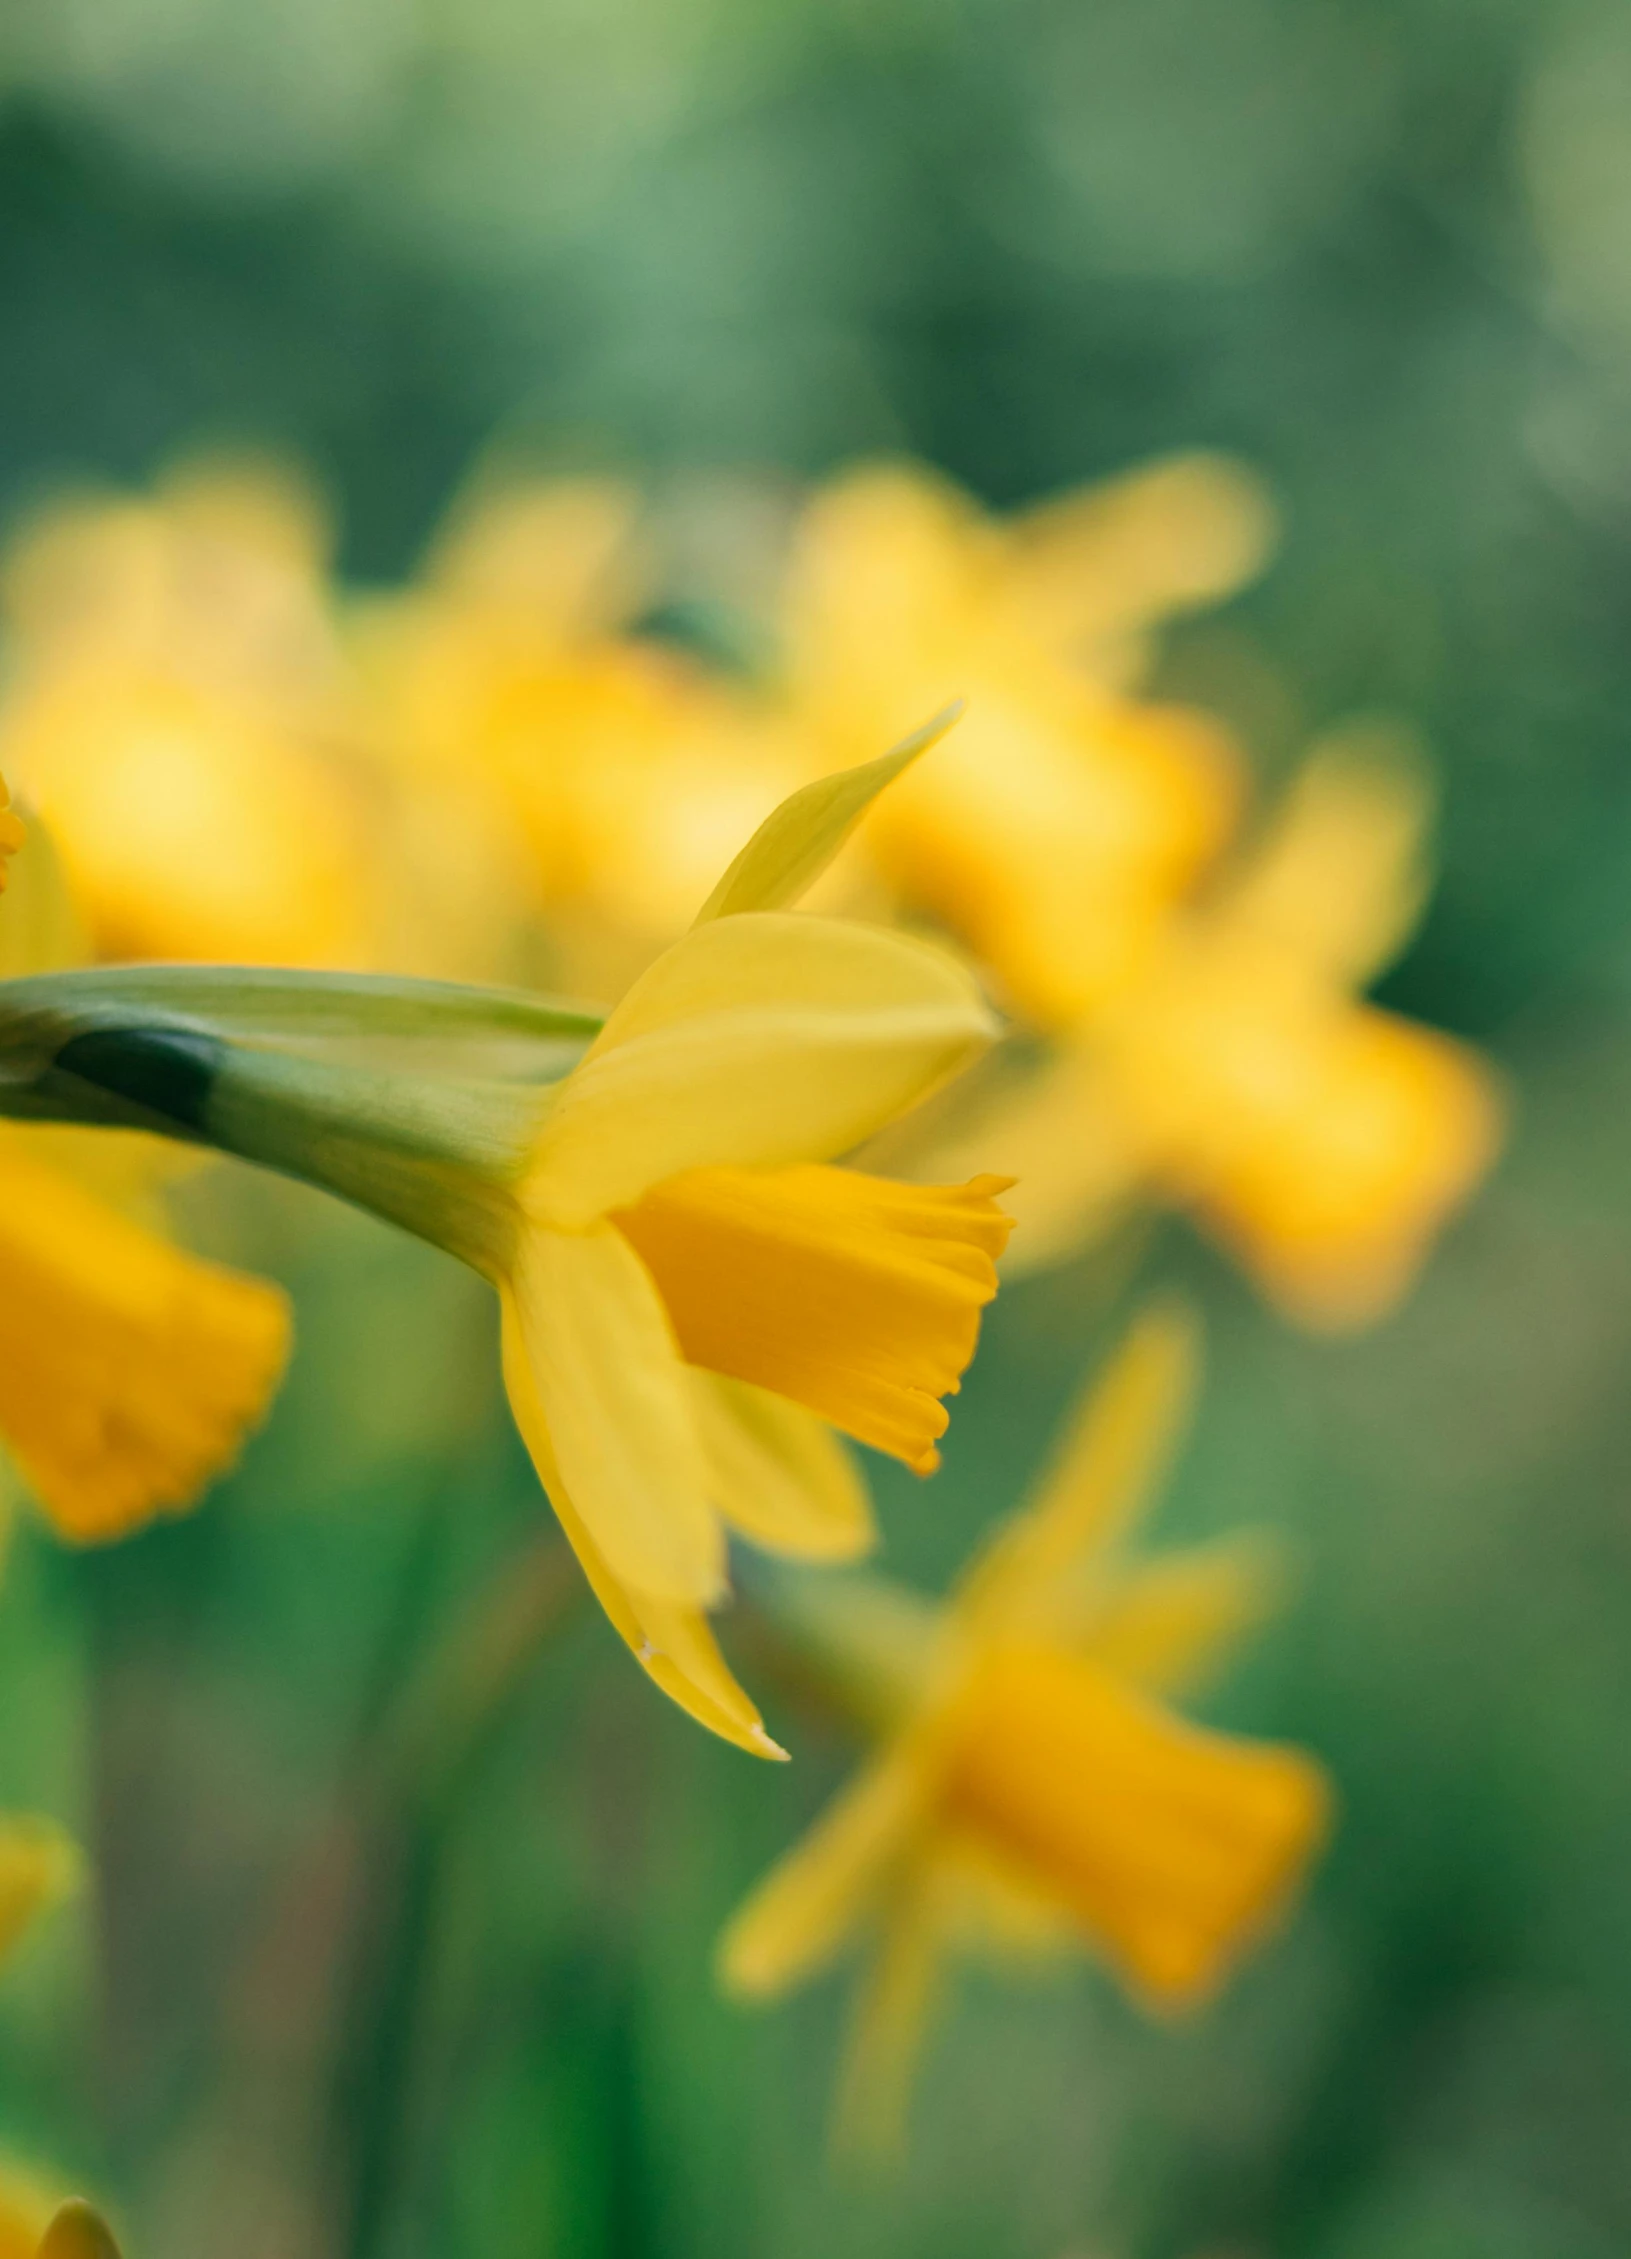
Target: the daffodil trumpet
(1031, 1785)
(693, 1296)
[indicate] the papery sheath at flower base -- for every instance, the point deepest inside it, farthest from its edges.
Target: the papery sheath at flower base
(1032, 1789)
(130, 1370)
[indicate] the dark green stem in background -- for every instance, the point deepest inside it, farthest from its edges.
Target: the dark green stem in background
(410, 1800)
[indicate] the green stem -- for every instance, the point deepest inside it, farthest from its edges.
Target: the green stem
(436, 1153)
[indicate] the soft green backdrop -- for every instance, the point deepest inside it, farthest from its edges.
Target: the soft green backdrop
(1380, 249)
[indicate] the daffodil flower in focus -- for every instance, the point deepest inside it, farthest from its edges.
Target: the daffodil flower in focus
(1069, 811)
(130, 1370)
(691, 1294)
(1243, 1078)
(693, 1297)
(1032, 1788)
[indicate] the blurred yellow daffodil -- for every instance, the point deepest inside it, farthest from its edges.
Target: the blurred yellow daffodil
(626, 770)
(130, 1371)
(1033, 1787)
(176, 707)
(1320, 1138)
(1067, 813)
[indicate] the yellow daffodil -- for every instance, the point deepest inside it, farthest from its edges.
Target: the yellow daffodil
(1033, 1786)
(691, 1292)
(1067, 813)
(626, 771)
(39, 1866)
(692, 1295)
(175, 708)
(130, 1371)
(1323, 1140)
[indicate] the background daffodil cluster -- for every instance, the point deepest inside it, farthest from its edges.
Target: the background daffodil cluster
(460, 474)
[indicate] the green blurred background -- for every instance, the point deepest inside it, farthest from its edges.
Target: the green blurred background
(1384, 252)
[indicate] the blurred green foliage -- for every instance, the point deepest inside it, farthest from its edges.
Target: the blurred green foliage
(1376, 246)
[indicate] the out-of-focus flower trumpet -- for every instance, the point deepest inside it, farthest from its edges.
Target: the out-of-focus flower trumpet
(1068, 812)
(130, 1371)
(692, 1297)
(1032, 1786)
(1241, 1077)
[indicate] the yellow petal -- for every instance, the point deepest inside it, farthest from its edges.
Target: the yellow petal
(757, 1041)
(78, 2233)
(1165, 1625)
(1056, 829)
(673, 1645)
(560, 553)
(892, 2011)
(1105, 1473)
(779, 1475)
(38, 1866)
(814, 1898)
(1331, 1176)
(1173, 1847)
(797, 841)
(617, 1405)
(1342, 876)
(1104, 562)
(129, 1371)
(192, 823)
(41, 929)
(855, 1296)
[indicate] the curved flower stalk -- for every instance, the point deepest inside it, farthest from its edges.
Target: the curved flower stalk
(1243, 1078)
(130, 1371)
(1032, 1788)
(1069, 812)
(39, 1867)
(693, 1297)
